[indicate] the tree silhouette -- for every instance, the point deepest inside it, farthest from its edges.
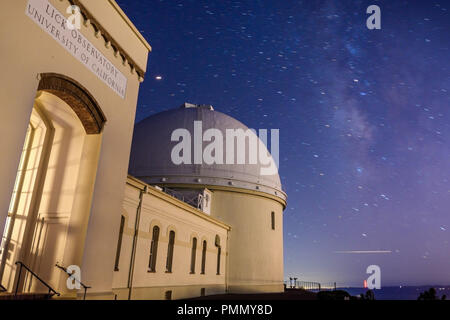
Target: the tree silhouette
(430, 295)
(370, 295)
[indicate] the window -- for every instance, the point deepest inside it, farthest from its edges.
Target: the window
(219, 252)
(153, 250)
(273, 220)
(204, 257)
(203, 292)
(193, 254)
(119, 243)
(168, 295)
(170, 252)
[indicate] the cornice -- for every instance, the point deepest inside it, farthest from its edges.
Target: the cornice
(110, 43)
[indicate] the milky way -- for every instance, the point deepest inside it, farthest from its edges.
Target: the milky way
(363, 115)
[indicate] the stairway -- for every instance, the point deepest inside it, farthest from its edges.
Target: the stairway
(4, 295)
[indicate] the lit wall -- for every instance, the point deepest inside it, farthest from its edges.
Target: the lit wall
(255, 261)
(28, 51)
(168, 213)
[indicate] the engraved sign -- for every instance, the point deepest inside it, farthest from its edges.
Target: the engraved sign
(55, 24)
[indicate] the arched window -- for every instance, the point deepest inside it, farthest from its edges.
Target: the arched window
(193, 254)
(170, 251)
(153, 250)
(204, 257)
(119, 243)
(219, 252)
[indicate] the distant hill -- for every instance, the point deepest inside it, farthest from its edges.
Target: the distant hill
(401, 293)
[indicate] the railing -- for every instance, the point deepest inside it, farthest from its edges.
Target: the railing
(308, 285)
(85, 287)
(51, 291)
(195, 201)
(293, 283)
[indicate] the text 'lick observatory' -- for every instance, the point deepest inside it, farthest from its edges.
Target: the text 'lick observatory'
(237, 194)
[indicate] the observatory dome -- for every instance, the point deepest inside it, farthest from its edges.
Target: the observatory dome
(151, 154)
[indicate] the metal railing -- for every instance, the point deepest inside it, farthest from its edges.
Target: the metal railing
(195, 200)
(306, 285)
(293, 283)
(51, 291)
(85, 287)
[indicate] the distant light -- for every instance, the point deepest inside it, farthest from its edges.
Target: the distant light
(158, 78)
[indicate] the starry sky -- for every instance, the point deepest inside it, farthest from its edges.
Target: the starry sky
(363, 115)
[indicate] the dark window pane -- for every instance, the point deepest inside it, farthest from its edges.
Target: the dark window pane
(273, 220)
(170, 252)
(153, 250)
(119, 243)
(219, 252)
(193, 254)
(204, 257)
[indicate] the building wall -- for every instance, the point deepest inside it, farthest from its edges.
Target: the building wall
(255, 262)
(168, 213)
(27, 51)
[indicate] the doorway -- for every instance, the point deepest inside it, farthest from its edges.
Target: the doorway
(50, 203)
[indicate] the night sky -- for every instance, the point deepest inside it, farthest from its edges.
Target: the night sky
(363, 115)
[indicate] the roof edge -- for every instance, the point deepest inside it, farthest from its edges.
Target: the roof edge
(141, 185)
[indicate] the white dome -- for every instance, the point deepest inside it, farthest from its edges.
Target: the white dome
(152, 148)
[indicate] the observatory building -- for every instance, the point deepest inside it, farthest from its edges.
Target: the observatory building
(164, 223)
(225, 221)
